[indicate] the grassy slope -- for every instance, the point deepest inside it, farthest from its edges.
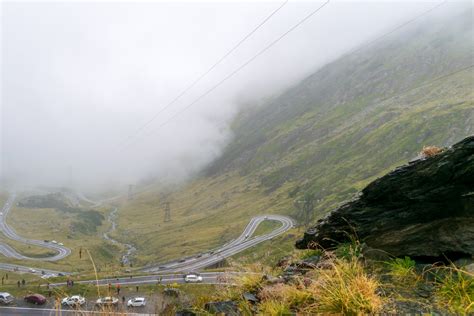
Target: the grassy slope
(349, 123)
(52, 224)
(331, 134)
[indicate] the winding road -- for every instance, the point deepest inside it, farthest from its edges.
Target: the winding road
(244, 241)
(183, 265)
(8, 251)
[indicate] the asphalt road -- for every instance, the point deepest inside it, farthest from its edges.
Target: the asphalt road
(171, 272)
(194, 263)
(244, 241)
(207, 278)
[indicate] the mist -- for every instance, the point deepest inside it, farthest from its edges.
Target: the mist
(80, 80)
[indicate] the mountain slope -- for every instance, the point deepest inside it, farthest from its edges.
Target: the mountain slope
(323, 139)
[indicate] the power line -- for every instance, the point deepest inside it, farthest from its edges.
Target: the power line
(241, 66)
(189, 87)
(352, 51)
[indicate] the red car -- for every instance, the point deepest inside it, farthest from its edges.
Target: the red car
(37, 299)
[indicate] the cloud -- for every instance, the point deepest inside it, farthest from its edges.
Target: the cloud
(80, 78)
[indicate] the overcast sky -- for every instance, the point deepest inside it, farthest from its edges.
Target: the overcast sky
(80, 78)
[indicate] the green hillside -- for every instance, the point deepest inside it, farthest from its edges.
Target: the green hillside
(326, 137)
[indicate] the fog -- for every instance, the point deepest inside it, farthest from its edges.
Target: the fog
(81, 79)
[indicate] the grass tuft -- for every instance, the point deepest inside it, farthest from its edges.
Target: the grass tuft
(401, 268)
(346, 289)
(455, 290)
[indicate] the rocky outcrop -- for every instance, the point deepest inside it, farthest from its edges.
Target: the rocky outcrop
(423, 209)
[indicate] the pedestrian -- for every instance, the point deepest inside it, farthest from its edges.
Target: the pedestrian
(72, 283)
(23, 282)
(137, 288)
(110, 287)
(118, 289)
(18, 283)
(2, 280)
(50, 293)
(47, 285)
(6, 276)
(123, 299)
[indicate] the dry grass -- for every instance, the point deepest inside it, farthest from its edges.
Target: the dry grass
(345, 288)
(430, 151)
(293, 296)
(274, 308)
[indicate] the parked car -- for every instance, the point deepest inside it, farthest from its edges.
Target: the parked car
(107, 301)
(136, 302)
(31, 270)
(73, 301)
(6, 298)
(192, 278)
(35, 299)
(54, 241)
(60, 244)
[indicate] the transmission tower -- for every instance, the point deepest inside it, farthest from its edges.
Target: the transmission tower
(167, 212)
(130, 192)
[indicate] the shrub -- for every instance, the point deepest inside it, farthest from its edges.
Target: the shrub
(349, 251)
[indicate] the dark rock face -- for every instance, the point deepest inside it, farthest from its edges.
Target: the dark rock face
(425, 208)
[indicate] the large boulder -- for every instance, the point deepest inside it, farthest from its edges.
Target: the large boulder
(423, 209)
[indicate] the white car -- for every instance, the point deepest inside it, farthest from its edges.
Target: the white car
(6, 298)
(54, 241)
(136, 302)
(61, 244)
(48, 275)
(192, 278)
(31, 270)
(107, 301)
(75, 300)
